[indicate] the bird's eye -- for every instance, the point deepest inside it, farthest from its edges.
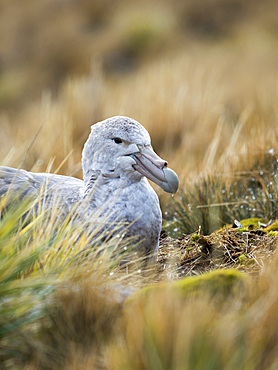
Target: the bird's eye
(117, 140)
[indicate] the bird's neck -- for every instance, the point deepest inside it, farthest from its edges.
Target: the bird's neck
(101, 186)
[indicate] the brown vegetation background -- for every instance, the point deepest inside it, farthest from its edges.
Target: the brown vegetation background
(200, 76)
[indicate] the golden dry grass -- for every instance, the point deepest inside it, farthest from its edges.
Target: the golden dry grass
(204, 82)
(189, 89)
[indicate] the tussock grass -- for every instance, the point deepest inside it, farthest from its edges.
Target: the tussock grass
(199, 332)
(43, 257)
(203, 81)
(215, 200)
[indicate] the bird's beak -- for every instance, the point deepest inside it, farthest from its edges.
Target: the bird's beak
(149, 164)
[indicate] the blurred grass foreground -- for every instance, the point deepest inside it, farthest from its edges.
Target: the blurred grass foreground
(202, 77)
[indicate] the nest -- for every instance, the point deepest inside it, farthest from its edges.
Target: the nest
(234, 247)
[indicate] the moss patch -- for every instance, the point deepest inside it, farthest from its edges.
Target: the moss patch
(251, 223)
(219, 282)
(272, 227)
(195, 237)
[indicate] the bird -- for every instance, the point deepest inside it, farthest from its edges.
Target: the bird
(117, 160)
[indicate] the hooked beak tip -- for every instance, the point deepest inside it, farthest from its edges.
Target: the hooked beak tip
(172, 181)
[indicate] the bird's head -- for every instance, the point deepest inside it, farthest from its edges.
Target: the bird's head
(121, 147)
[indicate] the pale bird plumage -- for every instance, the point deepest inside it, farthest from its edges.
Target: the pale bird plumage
(117, 159)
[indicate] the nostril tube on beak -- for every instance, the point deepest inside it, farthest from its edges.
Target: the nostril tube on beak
(149, 164)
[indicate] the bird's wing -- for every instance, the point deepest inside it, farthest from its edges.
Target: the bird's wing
(24, 184)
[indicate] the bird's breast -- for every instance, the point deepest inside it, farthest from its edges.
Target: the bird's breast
(135, 204)
(139, 206)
